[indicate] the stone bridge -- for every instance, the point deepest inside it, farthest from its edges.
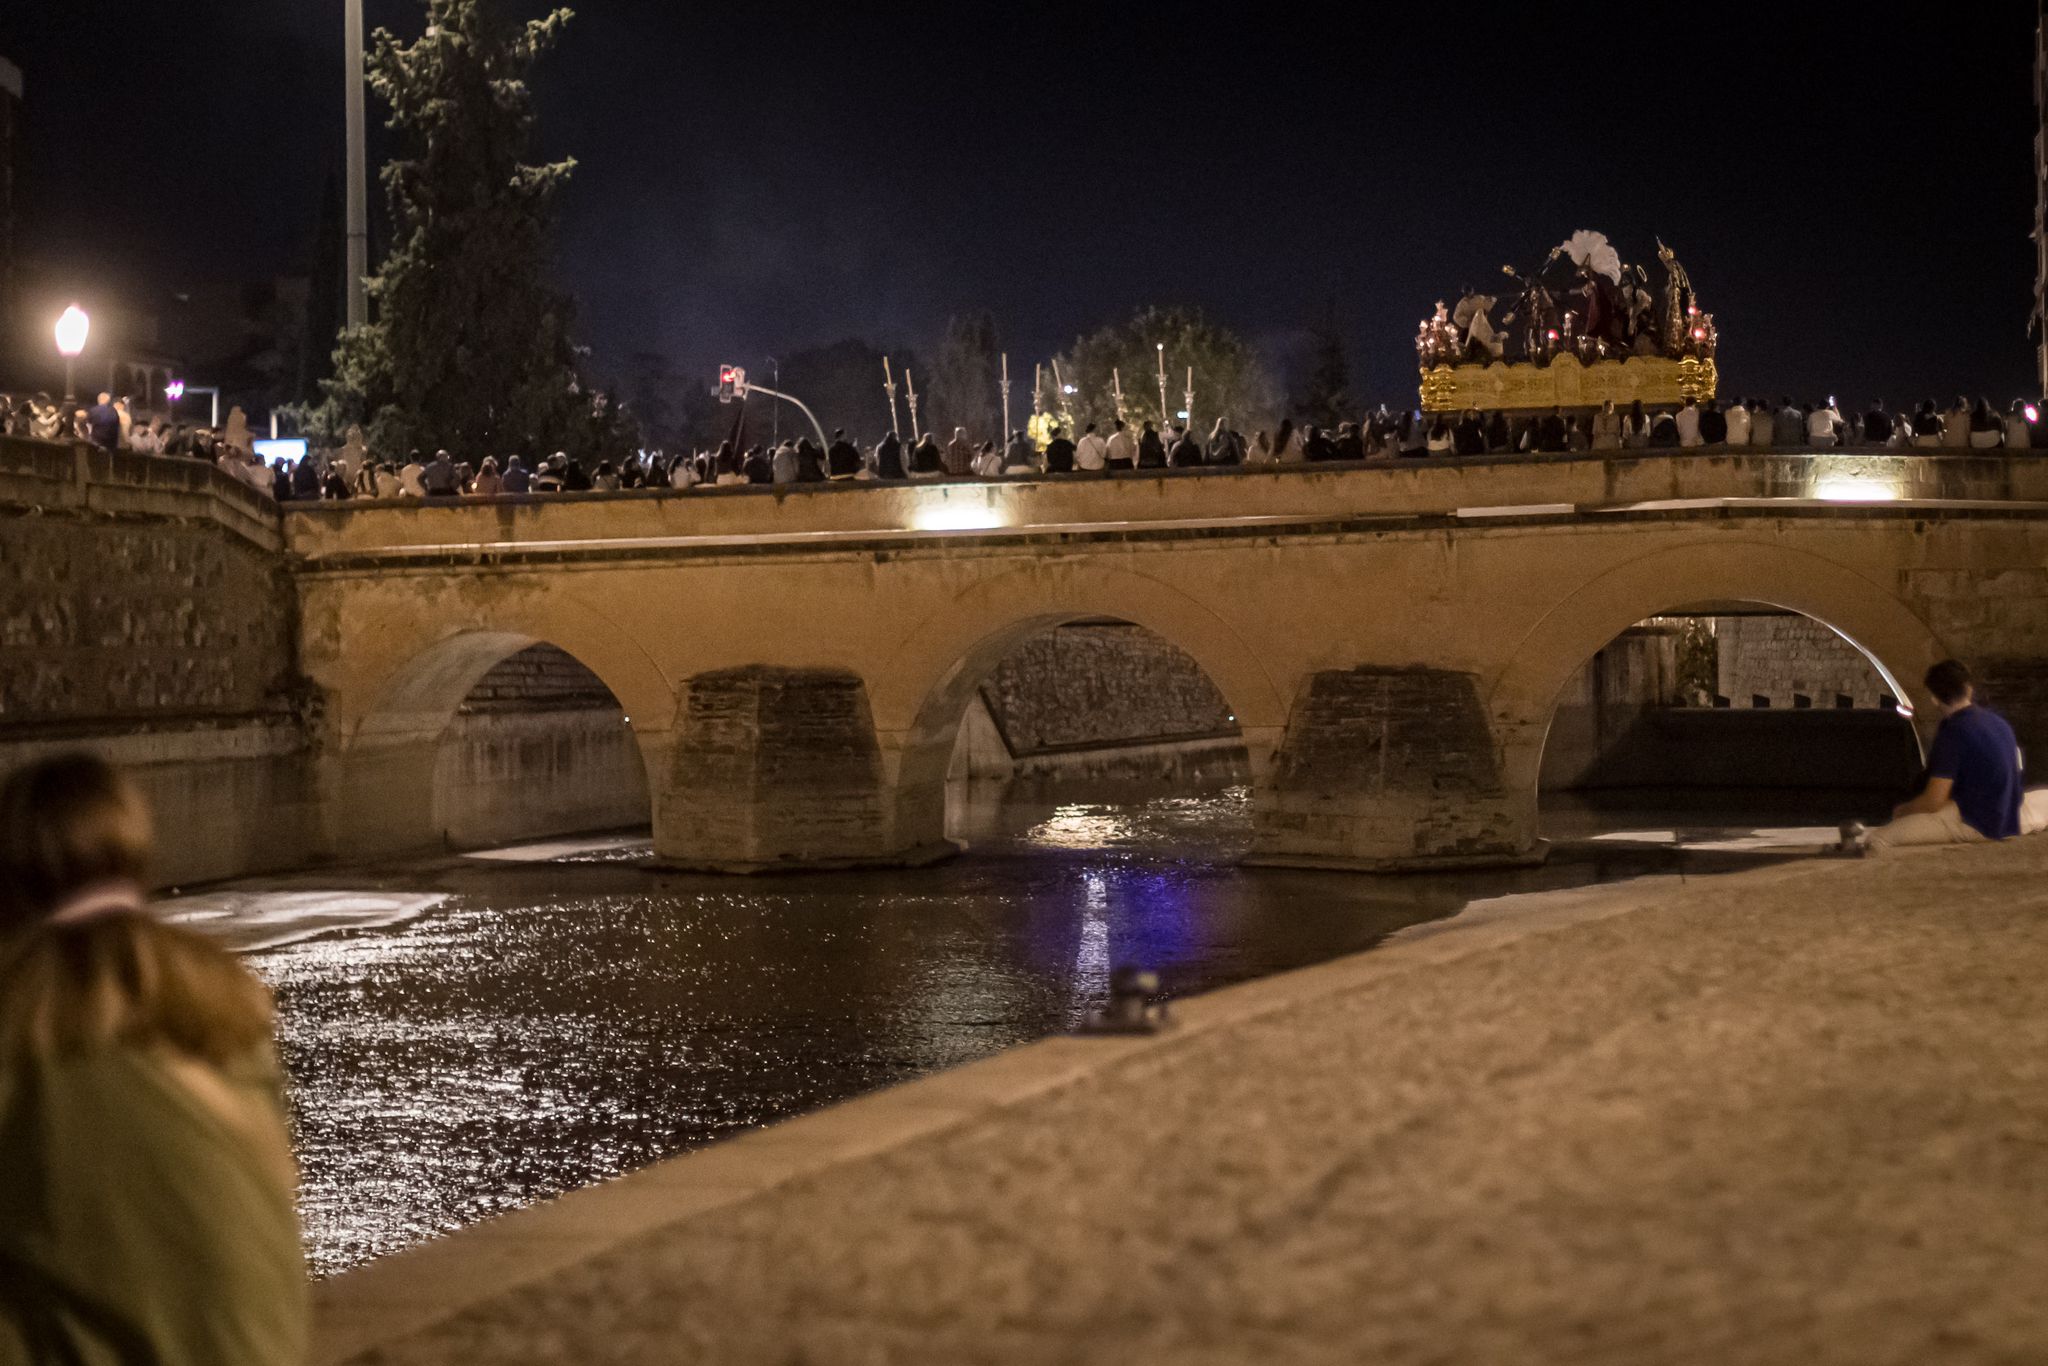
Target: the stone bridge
(1391, 640)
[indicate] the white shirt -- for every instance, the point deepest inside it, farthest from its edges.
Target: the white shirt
(1820, 427)
(1688, 421)
(1738, 425)
(1091, 452)
(1123, 446)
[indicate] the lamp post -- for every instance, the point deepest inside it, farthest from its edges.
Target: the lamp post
(71, 330)
(358, 178)
(775, 414)
(1188, 415)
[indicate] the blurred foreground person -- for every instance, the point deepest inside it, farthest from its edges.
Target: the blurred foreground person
(146, 1208)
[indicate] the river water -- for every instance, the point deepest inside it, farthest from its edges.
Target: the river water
(470, 1034)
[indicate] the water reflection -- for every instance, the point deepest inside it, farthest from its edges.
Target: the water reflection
(534, 1023)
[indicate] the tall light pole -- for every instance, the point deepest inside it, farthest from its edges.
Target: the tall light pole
(358, 185)
(775, 414)
(71, 330)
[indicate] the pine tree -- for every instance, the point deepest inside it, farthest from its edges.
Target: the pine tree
(469, 345)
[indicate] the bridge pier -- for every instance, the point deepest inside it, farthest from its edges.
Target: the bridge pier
(780, 769)
(1390, 769)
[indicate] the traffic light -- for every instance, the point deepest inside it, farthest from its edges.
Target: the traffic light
(731, 381)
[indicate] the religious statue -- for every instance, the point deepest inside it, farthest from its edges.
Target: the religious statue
(1480, 340)
(237, 433)
(1677, 297)
(354, 450)
(1581, 328)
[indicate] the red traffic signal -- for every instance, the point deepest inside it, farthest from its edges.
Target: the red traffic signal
(732, 381)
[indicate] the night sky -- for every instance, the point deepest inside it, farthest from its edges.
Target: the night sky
(1852, 194)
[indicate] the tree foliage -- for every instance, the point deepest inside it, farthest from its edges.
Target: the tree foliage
(469, 346)
(965, 376)
(1230, 380)
(1325, 397)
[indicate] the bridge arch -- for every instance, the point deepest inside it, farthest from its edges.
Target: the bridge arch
(388, 731)
(1868, 615)
(924, 695)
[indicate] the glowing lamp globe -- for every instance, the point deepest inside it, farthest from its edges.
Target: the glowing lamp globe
(71, 330)
(175, 390)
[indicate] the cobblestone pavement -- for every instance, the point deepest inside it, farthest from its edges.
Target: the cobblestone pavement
(1797, 1115)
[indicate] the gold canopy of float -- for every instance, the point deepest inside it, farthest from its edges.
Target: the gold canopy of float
(1567, 382)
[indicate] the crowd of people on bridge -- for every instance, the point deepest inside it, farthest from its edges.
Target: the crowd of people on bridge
(1096, 450)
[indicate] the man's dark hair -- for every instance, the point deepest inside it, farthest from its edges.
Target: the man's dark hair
(1948, 681)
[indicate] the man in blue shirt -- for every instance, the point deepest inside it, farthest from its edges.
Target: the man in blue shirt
(1974, 788)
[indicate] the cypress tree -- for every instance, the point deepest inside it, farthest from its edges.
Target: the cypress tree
(468, 346)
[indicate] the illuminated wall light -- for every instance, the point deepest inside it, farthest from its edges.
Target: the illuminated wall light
(1853, 480)
(1850, 488)
(960, 516)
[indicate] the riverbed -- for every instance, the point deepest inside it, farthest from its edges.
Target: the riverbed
(472, 1033)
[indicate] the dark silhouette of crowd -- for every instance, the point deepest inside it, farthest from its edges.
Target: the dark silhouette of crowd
(1097, 450)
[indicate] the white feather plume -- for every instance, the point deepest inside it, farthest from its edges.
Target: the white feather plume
(1592, 249)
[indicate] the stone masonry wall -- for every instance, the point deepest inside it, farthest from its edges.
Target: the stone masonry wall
(1096, 685)
(539, 678)
(1788, 657)
(539, 747)
(132, 621)
(146, 615)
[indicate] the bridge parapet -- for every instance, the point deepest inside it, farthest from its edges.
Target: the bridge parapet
(1377, 488)
(75, 477)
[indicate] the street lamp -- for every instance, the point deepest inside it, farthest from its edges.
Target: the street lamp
(71, 330)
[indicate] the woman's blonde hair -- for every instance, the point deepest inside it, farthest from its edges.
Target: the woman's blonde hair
(122, 979)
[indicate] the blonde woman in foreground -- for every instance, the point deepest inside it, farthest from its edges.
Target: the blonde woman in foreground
(146, 1180)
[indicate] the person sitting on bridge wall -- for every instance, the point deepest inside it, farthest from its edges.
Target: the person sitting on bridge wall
(1973, 790)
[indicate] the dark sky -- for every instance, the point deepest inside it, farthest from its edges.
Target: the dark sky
(1852, 193)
